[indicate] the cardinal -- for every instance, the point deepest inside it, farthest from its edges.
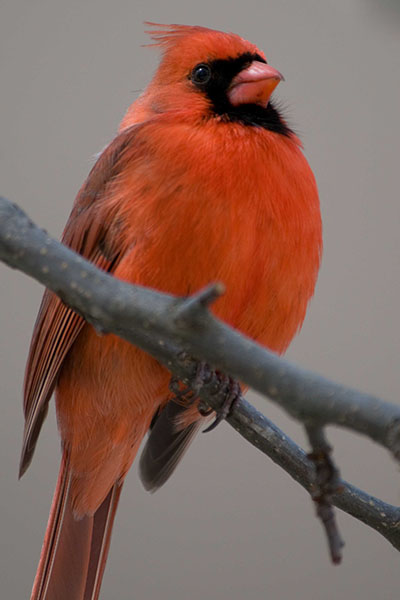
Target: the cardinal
(205, 181)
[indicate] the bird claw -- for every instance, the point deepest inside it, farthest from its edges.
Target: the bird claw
(187, 394)
(225, 387)
(230, 390)
(182, 395)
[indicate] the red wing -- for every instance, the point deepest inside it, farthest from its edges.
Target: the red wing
(91, 231)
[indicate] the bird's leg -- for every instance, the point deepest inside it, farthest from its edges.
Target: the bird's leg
(183, 395)
(229, 391)
(218, 385)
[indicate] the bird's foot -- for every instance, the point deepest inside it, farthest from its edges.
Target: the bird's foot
(225, 388)
(229, 391)
(182, 394)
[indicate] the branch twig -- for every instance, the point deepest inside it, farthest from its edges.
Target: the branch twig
(325, 483)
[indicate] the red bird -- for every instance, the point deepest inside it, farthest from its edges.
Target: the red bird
(204, 182)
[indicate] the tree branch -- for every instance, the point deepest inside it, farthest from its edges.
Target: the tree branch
(325, 483)
(172, 328)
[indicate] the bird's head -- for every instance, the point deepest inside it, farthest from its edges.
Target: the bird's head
(209, 73)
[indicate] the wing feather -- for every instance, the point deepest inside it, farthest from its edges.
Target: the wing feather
(165, 446)
(90, 232)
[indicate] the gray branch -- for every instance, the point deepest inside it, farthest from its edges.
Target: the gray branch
(171, 329)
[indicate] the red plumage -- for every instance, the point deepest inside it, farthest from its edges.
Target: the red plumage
(204, 182)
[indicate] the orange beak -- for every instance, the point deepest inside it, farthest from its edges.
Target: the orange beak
(254, 85)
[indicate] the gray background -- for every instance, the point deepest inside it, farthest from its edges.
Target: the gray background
(229, 524)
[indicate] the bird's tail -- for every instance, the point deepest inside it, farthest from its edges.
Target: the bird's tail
(74, 552)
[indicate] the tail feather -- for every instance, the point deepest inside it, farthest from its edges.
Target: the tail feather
(74, 552)
(101, 537)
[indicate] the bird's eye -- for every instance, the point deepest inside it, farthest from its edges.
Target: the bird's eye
(201, 74)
